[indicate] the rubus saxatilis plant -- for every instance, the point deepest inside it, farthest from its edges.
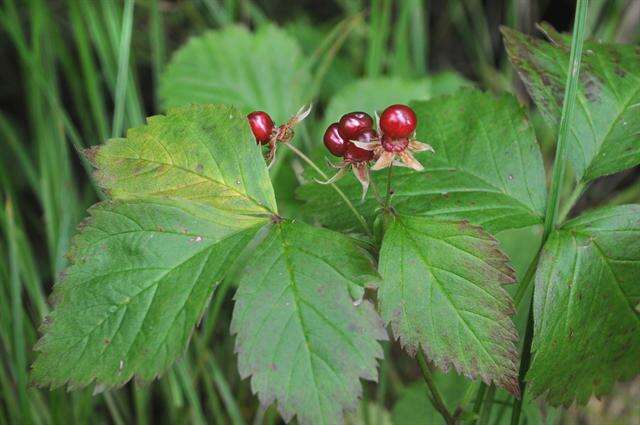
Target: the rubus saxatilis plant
(189, 199)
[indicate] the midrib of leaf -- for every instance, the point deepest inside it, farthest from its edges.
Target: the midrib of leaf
(617, 285)
(296, 296)
(442, 290)
(202, 176)
(622, 110)
(153, 284)
(495, 189)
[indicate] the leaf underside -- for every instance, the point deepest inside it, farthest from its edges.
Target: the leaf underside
(605, 130)
(487, 168)
(189, 190)
(264, 70)
(304, 334)
(442, 292)
(587, 324)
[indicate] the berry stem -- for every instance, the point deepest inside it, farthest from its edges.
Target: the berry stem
(339, 191)
(388, 196)
(376, 192)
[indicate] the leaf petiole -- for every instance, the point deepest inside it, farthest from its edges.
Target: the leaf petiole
(339, 191)
(436, 397)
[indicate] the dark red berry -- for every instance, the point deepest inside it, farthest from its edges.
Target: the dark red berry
(333, 141)
(356, 154)
(354, 123)
(394, 145)
(261, 126)
(367, 136)
(398, 121)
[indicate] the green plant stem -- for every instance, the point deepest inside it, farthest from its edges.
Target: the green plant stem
(559, 165)
(528, 277)
(557, 179)
(571, 201)
(525, 361)
(436, 399)
(487, 405)
(388, 195)
(376, 193)
(477, 404)
(346, 200)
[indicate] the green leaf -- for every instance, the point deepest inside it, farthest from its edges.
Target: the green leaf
(487, 168)
(442, 293)
(304, 334)
(143, 271)
(605, 131)
(587, 327)
(375, 94)
(253, 71)
(189, 191)
(201, 153)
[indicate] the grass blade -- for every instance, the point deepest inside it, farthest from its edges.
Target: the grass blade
(123, 69)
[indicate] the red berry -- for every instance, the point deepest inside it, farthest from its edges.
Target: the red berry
(356, 154)
(368, 135)
(354, 123)
(394, 145)
(398, 121)
(261, 126)
(333, 141)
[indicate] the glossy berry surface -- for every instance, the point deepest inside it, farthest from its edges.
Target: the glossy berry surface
(354, 123)
(356, 154)
(334, 141)
(261, 126)
(398, 121)
(390, 144)
(367, 136)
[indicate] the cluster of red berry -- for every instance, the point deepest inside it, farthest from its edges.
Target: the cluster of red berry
(354, 139)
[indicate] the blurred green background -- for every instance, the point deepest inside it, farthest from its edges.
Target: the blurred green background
(75, 72)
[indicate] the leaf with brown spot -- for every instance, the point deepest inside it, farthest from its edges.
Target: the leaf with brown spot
(145, 264)
(587, 331)
(605, 130)
(450, 303)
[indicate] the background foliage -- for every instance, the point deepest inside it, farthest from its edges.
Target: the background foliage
(76, 73)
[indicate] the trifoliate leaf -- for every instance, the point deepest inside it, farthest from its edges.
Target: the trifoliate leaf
(202, 153)
(486, 169)
(304, 334)
(143, 271)
(442, 293)
(190, 190)
(587, 330)
(264, 70)
(604, 134)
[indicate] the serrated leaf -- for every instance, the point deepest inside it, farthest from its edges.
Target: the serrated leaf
(143, 271)
(442, 293)
(301, 335)
(190, 190)
(587, 331)
(605, 130)
(202, 153)
(487, 168)
(253, 71)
